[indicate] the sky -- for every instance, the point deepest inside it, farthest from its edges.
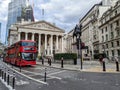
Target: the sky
(63, 13)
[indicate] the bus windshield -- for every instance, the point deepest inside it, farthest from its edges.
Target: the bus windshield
(28, 44)
(29, 56)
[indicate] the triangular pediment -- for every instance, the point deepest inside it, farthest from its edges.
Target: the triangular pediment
(43, 25)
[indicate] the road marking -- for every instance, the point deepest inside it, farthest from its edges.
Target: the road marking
(33, 75)
(31, 78)
(54, 77)
(42, 74)
(25, 75)
(56, 72)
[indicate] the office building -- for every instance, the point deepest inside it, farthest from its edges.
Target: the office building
(18, 10)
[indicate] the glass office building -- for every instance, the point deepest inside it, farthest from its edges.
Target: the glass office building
(0, 31)
(18, 10)
(14, 11)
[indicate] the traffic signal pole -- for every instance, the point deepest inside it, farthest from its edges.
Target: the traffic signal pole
(77, 33)
(80, 50)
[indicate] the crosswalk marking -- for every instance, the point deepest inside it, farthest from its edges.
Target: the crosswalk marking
(56, 72)
(42, 74)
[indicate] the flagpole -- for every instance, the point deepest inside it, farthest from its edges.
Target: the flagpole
(43, 14)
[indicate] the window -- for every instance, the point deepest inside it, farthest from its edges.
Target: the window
(103, 47)
(111, 26)
(118, 51)
(118, 32)
(112, 44)
(112, 52)
(117, 43)
(106, 29)
(94, 36)
(107, 53)
(106, 45)
(106, 37)
(102, 38)
(116, 12)
(28, 44)
(102, 31)
(28, 56)
(112, 35)
(117, 23)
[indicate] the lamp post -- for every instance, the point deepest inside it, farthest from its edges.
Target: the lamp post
(77, 33)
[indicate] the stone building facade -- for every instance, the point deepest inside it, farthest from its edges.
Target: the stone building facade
(90, 28)
(70, 42)
(91, 35)
(49, 37)
(110, 31)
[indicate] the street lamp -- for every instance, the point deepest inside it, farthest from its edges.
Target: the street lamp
(77, 33)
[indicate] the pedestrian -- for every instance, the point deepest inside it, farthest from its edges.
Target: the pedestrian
(42, 59)
(101, 59)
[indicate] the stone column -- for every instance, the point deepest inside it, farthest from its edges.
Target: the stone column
(19, 38)
(39, 44)
(26, 36)
(56, 42)
(33, 36)
(51, 44)
(62, 42)
(45, 43)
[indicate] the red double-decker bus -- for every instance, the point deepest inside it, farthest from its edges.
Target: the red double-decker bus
(22, 53)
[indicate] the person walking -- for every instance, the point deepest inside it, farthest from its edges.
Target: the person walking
(101, 59)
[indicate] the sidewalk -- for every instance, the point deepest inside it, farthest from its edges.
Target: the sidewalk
(88, 66)
(2, 86)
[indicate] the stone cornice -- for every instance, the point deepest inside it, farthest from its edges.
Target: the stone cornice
(41, 29)
(32, 23)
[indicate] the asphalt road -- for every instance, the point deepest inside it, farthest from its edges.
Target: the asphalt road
(59, 79)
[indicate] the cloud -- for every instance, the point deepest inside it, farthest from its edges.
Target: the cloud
(64, 13)
(67, 12)
(4, 10)
(3, 17)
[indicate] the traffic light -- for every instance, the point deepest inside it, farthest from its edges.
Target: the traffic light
(82, 45)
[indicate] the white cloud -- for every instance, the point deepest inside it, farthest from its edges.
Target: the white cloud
(3, 17)
(65, 13)
(3, 9)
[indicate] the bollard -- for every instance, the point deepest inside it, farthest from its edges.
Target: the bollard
(0, 71)
(8, 77)
(49, 61)
(62, 62)
(104, 68)
(42, 61)
(117, 66)
(5, 75)
(2, 74)
(13, 82)
(45, 75)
